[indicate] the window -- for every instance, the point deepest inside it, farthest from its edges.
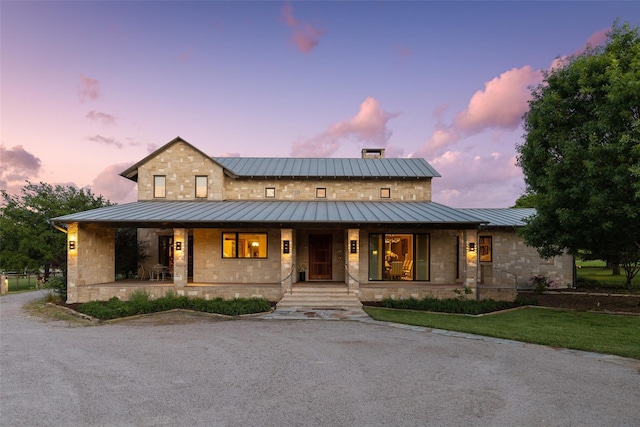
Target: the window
(385, 193)
(485, 248)
(159, 186)
(321, 193)
(399, 257)
(244, 245)
(270, 192)
(201, 187)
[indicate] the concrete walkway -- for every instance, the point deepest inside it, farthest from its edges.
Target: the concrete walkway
(263, 371)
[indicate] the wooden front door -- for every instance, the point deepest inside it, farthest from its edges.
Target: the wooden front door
(320, 256)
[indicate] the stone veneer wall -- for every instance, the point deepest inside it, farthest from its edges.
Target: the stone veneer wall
(180, 164)
(93, 260)
(510, 253)
(337, 189)
(210, 267)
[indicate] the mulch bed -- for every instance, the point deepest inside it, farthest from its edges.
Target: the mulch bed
(587, 302)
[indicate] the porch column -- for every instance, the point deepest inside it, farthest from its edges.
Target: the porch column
(287, 249)
(353, 260)
(471, 258)
(180, 256)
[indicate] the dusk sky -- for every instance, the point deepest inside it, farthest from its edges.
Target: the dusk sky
(90, 88)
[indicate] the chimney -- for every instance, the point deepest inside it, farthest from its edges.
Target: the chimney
(373, 153)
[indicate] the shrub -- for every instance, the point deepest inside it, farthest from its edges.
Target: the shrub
(450, 305)
(541, 283)
(58, 285)
(140, 303)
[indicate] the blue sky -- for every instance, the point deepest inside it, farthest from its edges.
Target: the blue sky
(89, 88)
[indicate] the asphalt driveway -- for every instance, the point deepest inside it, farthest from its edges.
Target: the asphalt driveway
(260, 372)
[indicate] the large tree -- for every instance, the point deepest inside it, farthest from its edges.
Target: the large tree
(27, 239)
(581, 155)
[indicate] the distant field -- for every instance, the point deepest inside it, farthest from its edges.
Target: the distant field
(596, 271)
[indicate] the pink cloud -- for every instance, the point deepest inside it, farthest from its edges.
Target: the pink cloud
(18, 166)
(186, 55)
(598, 38)
(228, 154)
(113, 187)
(304, 36)
(368, 126)
(105, 118)
(88, 88)
(502, 102)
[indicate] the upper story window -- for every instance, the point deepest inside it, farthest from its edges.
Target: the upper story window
(270, 192)
(385, 193)
(201, 187)
(159, 186)
(321, 193)
(485, 248)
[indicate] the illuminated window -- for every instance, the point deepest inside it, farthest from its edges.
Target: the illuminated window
(485, 248)
(201, 187)
(270, 192)
(244, 245)
(385, 193)
(397, 257)
(159, 186)
(321, 193)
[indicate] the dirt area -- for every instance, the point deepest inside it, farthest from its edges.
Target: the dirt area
(587, 302)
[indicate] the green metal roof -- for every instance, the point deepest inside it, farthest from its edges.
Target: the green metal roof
(277, 167)
(501, 217)
(292, 213)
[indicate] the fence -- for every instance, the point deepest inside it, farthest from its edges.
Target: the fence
(26, 281)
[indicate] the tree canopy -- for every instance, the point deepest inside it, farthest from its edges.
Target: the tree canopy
(27, 239)
(581, 154)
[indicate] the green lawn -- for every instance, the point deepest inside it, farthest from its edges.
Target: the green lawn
(601, 333)
(596, 271)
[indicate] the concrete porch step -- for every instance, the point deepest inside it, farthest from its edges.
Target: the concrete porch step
(325, 297)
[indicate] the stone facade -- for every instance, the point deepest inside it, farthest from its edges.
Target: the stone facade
(199, 268)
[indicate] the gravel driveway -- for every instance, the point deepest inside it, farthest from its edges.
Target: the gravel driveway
(259, 372)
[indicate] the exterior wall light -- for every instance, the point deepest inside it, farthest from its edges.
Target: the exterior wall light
(285, 246)
(178, 246)
(353, 246)
(472, 247)
(72, 245)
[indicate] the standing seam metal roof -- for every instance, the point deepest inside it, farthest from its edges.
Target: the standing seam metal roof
(319, 167)
(230, 212)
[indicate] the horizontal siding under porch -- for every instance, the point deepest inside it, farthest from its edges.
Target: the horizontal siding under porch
(368, 292)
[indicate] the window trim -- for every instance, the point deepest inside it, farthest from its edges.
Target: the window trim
(236, 246)
(206, 187)
(386, 190)
(482, 244)
(270, 192)
(321, 192)
(156, 187)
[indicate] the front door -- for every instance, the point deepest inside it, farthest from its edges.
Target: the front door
(320, 256)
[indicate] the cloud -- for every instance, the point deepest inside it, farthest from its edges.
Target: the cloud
(480, 180)
(106, 141)
(88, 88)
(228, 154)
(502, 102)
(18, 166)
(304, 35)
(368, 126)
(186, 55)
(598, 38)
(105, 118)
(113, 187)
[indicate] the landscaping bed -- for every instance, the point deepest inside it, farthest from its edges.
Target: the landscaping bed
(593, 300)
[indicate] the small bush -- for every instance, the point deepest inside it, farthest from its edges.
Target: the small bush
(450, 305)
(58, 285)
(140, 303)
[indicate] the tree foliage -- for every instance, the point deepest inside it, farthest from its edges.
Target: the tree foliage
(27, 239)
(581, 155)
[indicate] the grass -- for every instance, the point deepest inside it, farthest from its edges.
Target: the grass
(600, 333)
(594, 273)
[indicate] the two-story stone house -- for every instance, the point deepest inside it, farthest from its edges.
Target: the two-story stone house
(241, 227)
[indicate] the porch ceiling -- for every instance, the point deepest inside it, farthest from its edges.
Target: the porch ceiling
(191, 214)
